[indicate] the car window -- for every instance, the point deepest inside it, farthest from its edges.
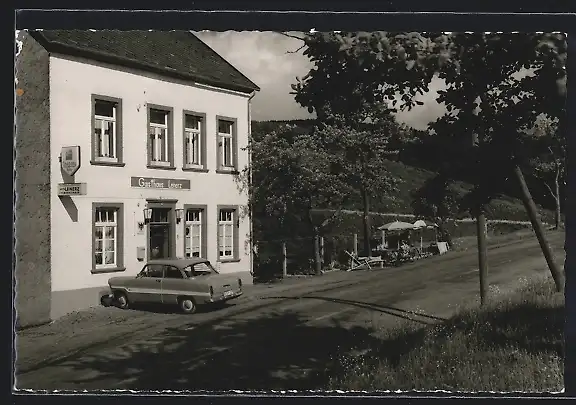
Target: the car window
(172, 272)
(203, 268)
(153, 270)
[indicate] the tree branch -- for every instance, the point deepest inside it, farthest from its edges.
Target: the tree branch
(297, 50)
(290, 35)
(550, 190)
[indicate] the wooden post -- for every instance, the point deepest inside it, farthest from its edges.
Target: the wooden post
(322, 250)
(355, 247)
(482, 256)
(284, 260)
(539, 231)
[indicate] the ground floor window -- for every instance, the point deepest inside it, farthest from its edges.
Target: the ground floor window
(107, 237)
(227, 234)
(193, 233)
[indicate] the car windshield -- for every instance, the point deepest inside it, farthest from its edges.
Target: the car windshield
(200, 269)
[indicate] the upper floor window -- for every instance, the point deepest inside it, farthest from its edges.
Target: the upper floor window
(106, 131)
(227, 145)
(160, 142)
(193, 141)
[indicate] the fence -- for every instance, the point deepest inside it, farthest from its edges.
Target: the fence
(280, 258)
(295, 256)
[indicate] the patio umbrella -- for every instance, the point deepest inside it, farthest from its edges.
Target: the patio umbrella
(421, 224)
(395, 226)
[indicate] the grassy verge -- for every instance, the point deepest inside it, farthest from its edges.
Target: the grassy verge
(514, 344)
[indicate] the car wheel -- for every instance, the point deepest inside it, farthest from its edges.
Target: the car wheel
(121, 300)
(106, 300)
(187, 305)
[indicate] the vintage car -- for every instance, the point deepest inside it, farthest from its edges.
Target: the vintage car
(185, 282)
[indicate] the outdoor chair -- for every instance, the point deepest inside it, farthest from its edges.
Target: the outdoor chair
(362, 262)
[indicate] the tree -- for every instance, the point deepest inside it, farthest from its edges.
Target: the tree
(437, 201)
(357, 159)
(497, 84)
(289, 177)
(549, 166)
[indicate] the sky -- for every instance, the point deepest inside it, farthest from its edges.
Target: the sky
(269, 60)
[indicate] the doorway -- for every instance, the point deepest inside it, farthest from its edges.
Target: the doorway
(160, 234)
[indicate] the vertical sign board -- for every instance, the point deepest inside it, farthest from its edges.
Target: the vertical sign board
(70, 159)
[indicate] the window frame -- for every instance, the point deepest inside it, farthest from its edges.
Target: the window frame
(202, 166)
(118, 129)
(169, 111)
(235, 234)
(119, 207)
(220, 168)
(170, 267)
(203, 209)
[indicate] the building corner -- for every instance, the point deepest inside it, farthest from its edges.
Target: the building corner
(32, 183)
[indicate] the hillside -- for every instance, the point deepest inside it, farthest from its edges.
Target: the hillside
(411, 178)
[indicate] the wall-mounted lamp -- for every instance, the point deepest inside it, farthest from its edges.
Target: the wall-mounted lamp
(179, 213)
(147, 214)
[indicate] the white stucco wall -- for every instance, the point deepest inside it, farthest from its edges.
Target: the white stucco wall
(72, 82)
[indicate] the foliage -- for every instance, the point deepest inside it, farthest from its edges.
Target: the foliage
(496, 86)
(515, 344)
(436, 199)
(550, 160)
(357, 153)
(289, 176)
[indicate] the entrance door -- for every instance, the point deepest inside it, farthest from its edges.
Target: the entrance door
(159, 241)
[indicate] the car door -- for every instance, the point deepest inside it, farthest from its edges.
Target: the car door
(173, 285)
(147, 287)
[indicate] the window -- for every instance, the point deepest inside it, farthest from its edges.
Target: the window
(160, 148)
(226, 234)
(200, 269)
(106, 131)
(226, 145)
(193, 233)
(193, 141)
(172, 272)
(107, 238)
(153, 271)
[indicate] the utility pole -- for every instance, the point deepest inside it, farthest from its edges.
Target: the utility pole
(530, 207)
(481, 237)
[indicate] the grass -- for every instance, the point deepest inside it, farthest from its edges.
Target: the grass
(514, 344)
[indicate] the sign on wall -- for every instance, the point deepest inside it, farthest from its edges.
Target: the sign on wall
(70, 159)
(155, 183)
(67, 189)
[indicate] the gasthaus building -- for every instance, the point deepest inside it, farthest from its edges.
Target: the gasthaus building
(129, 145)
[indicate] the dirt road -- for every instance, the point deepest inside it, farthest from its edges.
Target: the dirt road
(284, 337)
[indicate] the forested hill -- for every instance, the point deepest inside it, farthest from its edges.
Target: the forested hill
(412, 171)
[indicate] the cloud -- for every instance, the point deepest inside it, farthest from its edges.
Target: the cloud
(263, 57)
(420, 116)
(267, 59)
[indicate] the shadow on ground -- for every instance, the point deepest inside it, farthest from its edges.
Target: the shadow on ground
(413, 316)
(535, 329)
(274, 351)
(283, 351)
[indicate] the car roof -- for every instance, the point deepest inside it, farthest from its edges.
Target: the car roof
(179, 262)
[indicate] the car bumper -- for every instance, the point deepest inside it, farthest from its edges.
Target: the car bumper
(222, 298)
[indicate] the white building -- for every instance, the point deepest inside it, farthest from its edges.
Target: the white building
(158, 123)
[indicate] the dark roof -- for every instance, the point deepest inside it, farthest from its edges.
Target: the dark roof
(178, 262)
(177, 54)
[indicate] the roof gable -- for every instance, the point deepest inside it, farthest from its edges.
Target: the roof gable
(171, 53)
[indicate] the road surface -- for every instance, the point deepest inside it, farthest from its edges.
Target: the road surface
(285, 337)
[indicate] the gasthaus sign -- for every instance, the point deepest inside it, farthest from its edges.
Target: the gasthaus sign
(162, 184)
